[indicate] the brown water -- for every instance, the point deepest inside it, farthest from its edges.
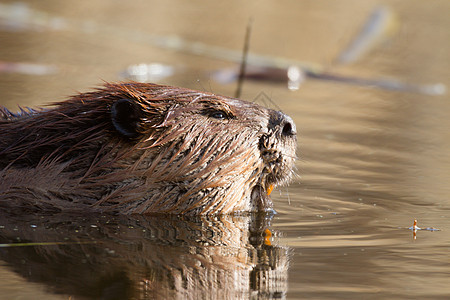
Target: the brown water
(370, 160)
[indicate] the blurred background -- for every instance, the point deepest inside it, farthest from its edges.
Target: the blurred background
(365, 82)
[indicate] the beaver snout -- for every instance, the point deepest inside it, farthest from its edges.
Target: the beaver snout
(277, 148)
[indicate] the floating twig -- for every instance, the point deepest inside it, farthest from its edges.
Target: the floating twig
(415, 228)
(244, 59)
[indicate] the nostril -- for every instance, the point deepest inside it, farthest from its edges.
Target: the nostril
(288, 126)
(287, 129)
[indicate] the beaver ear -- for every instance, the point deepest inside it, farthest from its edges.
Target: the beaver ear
(126, 116)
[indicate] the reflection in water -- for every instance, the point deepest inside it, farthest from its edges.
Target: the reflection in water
(148, 257)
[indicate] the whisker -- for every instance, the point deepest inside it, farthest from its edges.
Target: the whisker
(288, 196)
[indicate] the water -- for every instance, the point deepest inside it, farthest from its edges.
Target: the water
(371, 160)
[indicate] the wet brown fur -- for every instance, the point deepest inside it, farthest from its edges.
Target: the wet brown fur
(189, 152)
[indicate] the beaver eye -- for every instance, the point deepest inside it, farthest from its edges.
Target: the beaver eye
(219, 115)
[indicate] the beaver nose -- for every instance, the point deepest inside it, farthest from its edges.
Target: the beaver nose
(283, 122)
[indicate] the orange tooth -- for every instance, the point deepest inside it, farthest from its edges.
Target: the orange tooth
(269, 189)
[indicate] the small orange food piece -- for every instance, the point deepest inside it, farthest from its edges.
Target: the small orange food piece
(270, 189)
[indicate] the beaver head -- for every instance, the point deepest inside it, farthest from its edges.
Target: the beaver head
(146, 148)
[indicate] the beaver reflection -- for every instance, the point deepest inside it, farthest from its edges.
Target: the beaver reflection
(138, 148)
(227, 257)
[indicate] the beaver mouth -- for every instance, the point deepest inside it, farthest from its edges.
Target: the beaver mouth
(278, 163)
(276, 170)
(273, 160)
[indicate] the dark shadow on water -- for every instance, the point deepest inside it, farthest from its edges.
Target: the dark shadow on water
(119, 257)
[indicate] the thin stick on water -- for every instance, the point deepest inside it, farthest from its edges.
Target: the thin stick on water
(244, 59)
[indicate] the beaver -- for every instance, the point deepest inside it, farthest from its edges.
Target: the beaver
(141, 148)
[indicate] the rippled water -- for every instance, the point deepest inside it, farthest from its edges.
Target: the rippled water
(371, 160)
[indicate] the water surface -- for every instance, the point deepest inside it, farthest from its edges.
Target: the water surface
(371, 160)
